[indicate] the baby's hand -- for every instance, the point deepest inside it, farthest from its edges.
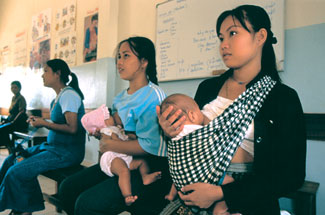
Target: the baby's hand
(105, 137)
(96, 134)
(115, 136)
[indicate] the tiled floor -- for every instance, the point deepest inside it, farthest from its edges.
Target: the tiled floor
(47, 185)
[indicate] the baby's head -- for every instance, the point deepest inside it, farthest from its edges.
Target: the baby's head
(189, 107)
(96, 119)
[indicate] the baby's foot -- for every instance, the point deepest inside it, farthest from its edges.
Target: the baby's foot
(130, 199)
(150, 178)
(170, 197)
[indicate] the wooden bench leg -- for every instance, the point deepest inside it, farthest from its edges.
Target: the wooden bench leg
(53, 199)
(304, 199)
(58, 208)
(58, 176)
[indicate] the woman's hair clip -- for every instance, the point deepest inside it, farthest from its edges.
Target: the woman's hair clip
(274, 40)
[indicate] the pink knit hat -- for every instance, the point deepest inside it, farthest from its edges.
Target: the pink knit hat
(95, 119)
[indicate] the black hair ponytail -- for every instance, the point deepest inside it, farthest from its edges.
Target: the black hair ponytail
(60, 65)
(75, 85)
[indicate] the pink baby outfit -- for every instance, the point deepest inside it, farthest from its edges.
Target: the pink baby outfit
(95, 119)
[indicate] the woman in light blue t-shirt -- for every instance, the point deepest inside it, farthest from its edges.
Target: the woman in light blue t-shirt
(93, 192)
(65, 146)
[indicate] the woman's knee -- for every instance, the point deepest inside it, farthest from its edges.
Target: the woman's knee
(66, 187)
(84, 205)
(90, 205)
(17, 172)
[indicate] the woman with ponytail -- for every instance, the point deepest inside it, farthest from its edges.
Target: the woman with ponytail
(269, 161)
(91, 191)
(65, 146)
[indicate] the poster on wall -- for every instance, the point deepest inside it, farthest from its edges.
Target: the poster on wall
(65, 48)
(65, 34)
(20, 49)
(0, 62)
(41, 25)
(39, 54)
(41, 29)
(5, 57)
(91, 36)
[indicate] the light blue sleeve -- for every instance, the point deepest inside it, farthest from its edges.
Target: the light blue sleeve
(147, 129)
(70, 101)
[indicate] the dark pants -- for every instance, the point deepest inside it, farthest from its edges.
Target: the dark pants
(9, 127)
(91, 192)
(5, 130)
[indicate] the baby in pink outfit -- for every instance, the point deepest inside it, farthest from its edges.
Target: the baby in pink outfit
(113, 163)
(101, 119)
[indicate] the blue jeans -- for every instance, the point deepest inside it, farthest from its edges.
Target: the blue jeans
(19, 188)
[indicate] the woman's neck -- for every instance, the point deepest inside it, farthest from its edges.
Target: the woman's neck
(17, 94)
(246, 74)
(135, 85)
(249, 70)
(58, 88)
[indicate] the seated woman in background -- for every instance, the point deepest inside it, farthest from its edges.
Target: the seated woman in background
(65, 146)
(16, 120)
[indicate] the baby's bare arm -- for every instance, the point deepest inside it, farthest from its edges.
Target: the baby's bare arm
(131, 136)
(117, 119)
(110, 122)
(115, 136)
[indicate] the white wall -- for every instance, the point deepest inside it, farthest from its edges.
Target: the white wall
(119, 19)
(300, 13)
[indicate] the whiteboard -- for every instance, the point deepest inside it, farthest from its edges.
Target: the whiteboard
(186, 39)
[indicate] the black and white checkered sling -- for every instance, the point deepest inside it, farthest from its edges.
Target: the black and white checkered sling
(205, 154)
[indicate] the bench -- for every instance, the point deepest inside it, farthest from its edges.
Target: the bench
(58, 176)
(304, 199)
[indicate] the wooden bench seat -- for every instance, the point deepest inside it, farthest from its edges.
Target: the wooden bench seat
(58, 176)
(304, 199)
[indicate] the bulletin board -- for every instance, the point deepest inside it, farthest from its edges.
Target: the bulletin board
(186, 39)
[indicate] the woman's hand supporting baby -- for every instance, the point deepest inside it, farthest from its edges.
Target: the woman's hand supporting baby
(103, 143)
(103, 146)
(171, 123)
(202, 195)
